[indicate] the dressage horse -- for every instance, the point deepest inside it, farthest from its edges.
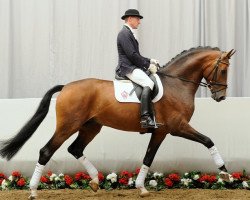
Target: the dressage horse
(85, 106)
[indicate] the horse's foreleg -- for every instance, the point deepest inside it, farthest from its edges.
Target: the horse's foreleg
(86, 134)
(154, 144)
(186, 131)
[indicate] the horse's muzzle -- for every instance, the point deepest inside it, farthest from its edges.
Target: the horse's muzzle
(218, 97)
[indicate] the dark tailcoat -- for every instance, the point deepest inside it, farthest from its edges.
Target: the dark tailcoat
(128, 53)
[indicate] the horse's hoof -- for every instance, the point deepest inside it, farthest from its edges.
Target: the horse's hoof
(94, 186)
(226, 176)
(33, 194)
(144, 192)
(32, 197)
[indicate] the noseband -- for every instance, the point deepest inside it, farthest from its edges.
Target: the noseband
(211, 83)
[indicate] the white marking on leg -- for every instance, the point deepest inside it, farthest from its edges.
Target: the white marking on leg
(92, 171)
(35, 179)
(216, 156)
(139, 183)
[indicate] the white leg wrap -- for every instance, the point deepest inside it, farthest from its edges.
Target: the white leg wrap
(35, 179)
(92, 171)
(139, 183)
(216, 156)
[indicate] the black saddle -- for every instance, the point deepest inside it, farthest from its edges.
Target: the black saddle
(138, 89)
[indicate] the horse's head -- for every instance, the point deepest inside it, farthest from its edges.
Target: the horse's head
(215, 74)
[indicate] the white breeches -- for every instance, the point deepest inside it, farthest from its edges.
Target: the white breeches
(141, 78)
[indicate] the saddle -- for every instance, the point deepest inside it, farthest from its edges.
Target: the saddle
(138, 89)
(128, 91)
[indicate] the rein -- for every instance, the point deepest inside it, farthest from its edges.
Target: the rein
(203, 84)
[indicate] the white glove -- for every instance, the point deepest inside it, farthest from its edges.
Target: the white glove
(154, 61)
(152, 68)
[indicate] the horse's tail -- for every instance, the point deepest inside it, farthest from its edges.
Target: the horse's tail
(8, 148)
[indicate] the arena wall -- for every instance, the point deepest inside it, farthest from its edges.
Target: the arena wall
(226, 123)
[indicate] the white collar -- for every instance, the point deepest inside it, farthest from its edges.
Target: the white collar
(132, 30)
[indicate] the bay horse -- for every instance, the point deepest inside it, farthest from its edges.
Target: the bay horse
(85, 106)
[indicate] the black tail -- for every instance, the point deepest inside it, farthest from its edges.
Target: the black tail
(8, 148)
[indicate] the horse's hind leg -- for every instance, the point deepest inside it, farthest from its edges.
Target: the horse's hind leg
(61, 134)
(86, 134)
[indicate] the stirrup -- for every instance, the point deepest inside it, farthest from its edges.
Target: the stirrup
(145, 122)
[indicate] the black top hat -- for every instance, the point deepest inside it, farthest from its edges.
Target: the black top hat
(131, 12)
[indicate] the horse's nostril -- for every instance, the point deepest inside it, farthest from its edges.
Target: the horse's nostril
(222, 98)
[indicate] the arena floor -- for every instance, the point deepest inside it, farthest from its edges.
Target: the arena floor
(188, 194)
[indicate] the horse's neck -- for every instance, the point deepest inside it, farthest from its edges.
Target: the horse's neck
(189, 70)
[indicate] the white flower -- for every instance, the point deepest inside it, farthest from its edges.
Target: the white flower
(52, 177)
(113, 180)
(4, 184)
(186, 174)
(158, 175)
(10, 178)
(186, 181)
(231, 178)
(153, 183)
(57, 178)
(220, 180)
(61, 175)
(196, 177)
(245, 184)
(130, 181)
(112, 177)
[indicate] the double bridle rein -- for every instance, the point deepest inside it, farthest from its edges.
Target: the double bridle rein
(211, 83)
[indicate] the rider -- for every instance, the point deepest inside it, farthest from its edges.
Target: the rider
(133, 66)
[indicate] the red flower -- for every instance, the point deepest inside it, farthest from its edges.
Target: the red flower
(126, 174)
(86, 177)
(123, 181)
(100, 176)
(204, 178)
(237, 175)
(49, 173)
(44, 179)
(208, 178)
(81, 175)
(168, 182)
(137, 171)
(212, 179)
(2, 175)
(174, 177)
(21, 182)
(16, 174)
(78, 176)
(68, 179)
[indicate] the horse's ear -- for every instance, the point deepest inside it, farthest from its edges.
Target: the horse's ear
(230, 53)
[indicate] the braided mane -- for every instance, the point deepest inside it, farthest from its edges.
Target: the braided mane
(191, 50)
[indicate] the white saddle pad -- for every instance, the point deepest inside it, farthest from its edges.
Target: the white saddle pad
(123, 89)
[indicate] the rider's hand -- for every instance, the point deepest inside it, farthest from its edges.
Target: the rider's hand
(152, 68)
(154, 61)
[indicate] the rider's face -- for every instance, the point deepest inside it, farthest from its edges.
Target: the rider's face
(134, 21)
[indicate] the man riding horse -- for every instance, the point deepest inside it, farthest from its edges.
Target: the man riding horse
(134, 66)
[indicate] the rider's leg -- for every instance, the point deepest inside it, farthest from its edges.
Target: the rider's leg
(141, 78)
(146, 119)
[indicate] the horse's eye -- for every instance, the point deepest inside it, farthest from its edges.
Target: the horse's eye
(224, 72)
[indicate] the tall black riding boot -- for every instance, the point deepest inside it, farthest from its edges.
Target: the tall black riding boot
(146, 120)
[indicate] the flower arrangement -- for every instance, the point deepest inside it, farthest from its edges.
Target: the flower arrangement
(15, 181)
(126, 180)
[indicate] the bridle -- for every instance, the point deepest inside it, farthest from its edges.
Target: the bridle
(211, 83)
(215, 75)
